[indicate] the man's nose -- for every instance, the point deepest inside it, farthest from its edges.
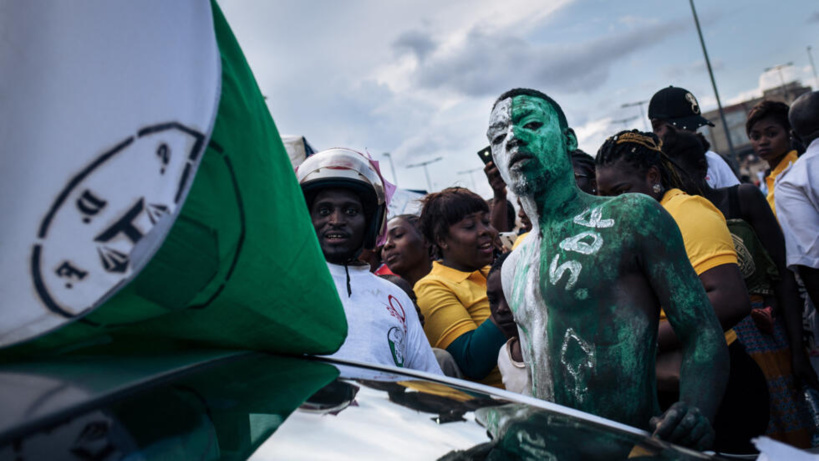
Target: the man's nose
(336, 217)
(488, 229)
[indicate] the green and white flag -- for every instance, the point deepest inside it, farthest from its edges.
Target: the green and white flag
(145, 189)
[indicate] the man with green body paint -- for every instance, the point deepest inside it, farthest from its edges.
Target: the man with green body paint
(587, 284)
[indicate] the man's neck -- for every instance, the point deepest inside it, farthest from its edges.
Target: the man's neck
(557, 204)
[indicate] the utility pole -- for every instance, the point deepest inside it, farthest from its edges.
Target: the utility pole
(812, 66)
(778, 68)
(392, 167)
(625, 121)
(426, 172)
(714, 84)
(472, 178)
(642, 114)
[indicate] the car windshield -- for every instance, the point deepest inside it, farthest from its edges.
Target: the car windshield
(262, 407)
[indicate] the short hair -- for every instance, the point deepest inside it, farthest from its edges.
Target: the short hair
(804, 117)
(496, 266)
(412, 219)
(583, 161)
(776, 110)
(536, 94)
(642, 151)
(445, 208)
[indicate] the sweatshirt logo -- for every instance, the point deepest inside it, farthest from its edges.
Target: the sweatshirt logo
(395, 336)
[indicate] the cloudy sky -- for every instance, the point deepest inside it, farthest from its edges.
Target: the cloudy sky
(417, 78)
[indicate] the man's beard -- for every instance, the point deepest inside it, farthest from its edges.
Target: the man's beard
(529, 185)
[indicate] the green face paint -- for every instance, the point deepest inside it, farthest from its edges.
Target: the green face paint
(584, 285)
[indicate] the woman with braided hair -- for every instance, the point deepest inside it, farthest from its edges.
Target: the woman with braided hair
(632, 161)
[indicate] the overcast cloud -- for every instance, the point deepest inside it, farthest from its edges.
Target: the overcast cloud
(417, 79)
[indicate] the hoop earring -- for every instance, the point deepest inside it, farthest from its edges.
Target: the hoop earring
(657, 188)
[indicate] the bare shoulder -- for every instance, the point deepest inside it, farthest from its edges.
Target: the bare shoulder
(636, 213)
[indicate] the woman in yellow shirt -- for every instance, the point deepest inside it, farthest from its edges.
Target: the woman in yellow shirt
(769, 130)
(632, 161)
(452, 296)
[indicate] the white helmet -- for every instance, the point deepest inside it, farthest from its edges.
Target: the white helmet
(347, 169)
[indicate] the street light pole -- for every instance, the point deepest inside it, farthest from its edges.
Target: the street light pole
(392, 167)
(625, 121)
(426, 172)
(714, 84)
(778, 68)
(642, 114)
(812, 66)
(472, 178)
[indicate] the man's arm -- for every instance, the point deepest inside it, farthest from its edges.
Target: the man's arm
(498, 213)
(726, 293)
(705, 366)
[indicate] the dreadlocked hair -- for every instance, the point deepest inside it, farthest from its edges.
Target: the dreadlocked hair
(642, 151)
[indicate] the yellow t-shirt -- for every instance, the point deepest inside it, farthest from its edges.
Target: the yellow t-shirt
(519, 240)
(770, 180)
(454, 303)
(708, 242)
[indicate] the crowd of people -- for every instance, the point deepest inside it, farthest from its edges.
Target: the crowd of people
(646, 284)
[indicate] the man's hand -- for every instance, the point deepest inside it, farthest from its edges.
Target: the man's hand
(683, 425)
(495, 180)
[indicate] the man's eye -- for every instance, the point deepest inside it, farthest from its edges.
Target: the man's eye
(533, 125)
(498, 139)
(323, 211)
(351, 211)
(754, 136)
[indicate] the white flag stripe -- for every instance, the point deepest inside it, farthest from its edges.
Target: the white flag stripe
(107, 107)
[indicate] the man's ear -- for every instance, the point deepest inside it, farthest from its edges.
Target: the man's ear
(571, 140)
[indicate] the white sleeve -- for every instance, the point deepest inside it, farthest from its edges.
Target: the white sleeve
(418, 352)
(719, 173)
(797, 208)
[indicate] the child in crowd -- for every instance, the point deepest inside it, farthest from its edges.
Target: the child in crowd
(510, 359)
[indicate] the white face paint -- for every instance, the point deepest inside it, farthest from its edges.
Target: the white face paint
(500, 122)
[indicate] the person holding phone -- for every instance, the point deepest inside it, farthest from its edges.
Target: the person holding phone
(500, 209)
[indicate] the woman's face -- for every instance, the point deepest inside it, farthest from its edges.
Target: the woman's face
(405, 248)
(620, 177)
(469, 245)
(770, 140)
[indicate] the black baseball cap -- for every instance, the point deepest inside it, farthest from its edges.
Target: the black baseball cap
(678, 107)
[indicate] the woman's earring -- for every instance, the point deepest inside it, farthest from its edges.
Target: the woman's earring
(657, 188)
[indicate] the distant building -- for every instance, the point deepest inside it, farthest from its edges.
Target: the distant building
(735, 116)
